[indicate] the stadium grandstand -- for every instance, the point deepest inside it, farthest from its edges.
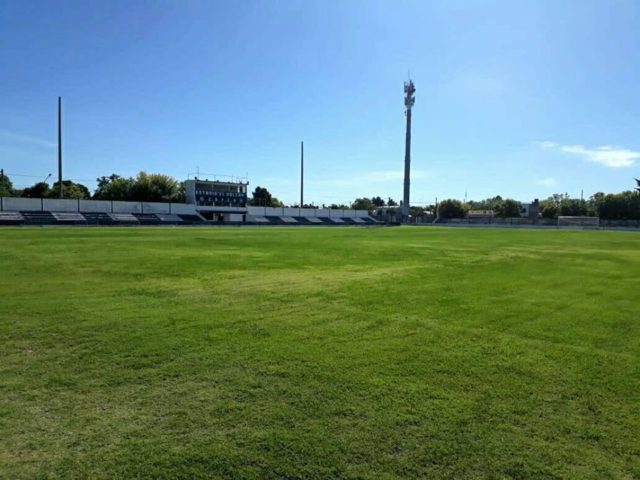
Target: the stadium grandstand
(207, 203)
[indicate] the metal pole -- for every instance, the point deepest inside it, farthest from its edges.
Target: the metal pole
(407, 169)
(60, 146)
(301, 174)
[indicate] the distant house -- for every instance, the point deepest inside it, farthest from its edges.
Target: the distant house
(530, 210)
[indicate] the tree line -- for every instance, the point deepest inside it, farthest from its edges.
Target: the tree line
(144, 187)
(613, 206)
(156, 187)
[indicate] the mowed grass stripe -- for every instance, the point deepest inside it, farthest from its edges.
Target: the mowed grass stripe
(319, 353)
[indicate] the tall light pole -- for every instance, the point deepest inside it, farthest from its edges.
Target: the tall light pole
(301, 174)
(409, 100)
(60, 146)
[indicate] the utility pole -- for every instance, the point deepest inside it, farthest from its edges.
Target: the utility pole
(409, 100)
(301, 174)
(60, 146)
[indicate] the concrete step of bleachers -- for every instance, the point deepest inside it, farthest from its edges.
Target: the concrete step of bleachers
(348, 220)
(288, 220)
(257, 219)
(169, 218)
(147, 218)
(124, 218)
(69, 218)
(98, 218)
(11, 218)
(38, 218)
(191, 218)
(303, 221)
(336, 220)
(314, 220)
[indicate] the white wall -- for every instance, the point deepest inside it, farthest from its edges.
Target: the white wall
(323, 212)
(274, 212)
(183, 208)
(127, 207)
(155, 207)
(60, 205)
(95, 206)
(235, 217)
(256, 211)
(24, 204)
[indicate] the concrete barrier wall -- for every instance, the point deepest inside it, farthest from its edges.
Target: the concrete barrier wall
(95, 206)
(336, 213)
(362, 213)
(59, 205)
(183, 208)
(291, 212)
(127, 207)
(323, 212)
(21, 204)
(256, 211)
(349, 213)
(274, 212)
(308, 212)
(155, 207)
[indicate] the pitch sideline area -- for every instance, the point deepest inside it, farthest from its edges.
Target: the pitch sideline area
(319, 353)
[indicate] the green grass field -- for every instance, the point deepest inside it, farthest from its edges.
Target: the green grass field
(319, 353)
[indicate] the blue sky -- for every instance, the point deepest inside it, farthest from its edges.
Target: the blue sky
(516, 98)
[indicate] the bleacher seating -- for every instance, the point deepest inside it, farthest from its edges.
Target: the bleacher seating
(169, 218)
(124, 218)
(313, 220)
(275, 220)
(11, 218)
(288, 220)
(336, 220)
(348, 220)
(147, 218)
(98, 218)
(38, 218)
(191, 219)
(257, 219)
(69, 218)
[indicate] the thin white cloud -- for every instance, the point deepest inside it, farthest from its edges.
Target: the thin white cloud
(547, 145)
(25, 139)
(546, 182)
(612, 157)
(605, 155)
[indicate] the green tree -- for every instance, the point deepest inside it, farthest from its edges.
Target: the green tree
(507, 208)
(621, 206)
(261, 197)
(391, 202)
(113, 187)
(363, 204)
(377, 201)
(451, 208)
(69, 190)
(6, 186)
(38, 190)
(155, 187)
